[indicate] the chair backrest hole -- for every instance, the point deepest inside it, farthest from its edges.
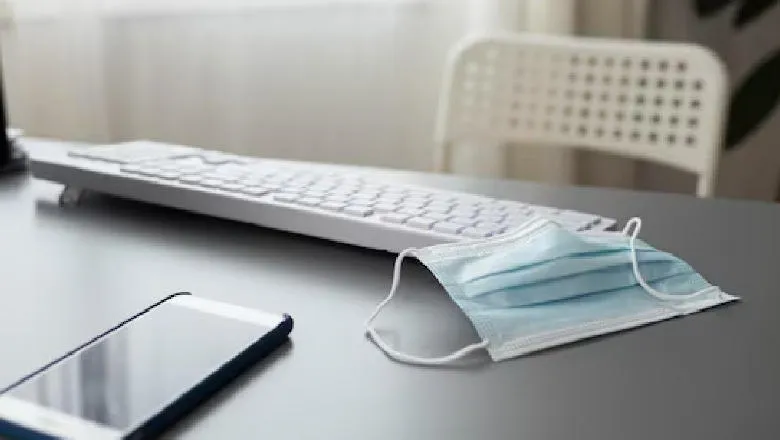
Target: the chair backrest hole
(653, 138)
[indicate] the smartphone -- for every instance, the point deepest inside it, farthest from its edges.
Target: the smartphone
(139, 378)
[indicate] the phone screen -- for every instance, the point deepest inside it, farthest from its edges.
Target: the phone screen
(129, 376)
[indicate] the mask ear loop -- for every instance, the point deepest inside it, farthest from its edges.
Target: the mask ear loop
(403, 357)
(636, 224)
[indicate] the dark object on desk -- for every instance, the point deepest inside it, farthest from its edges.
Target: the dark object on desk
(139, 378)
(12, 157)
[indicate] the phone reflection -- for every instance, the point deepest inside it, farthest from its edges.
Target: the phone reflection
(92, 385)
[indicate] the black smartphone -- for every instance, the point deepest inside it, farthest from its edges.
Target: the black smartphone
(136, 380)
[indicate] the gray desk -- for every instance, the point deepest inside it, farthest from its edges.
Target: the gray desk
(70, 273)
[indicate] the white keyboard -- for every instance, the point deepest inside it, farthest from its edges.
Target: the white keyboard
(324, 201)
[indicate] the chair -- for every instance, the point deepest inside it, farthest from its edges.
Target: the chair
(661, 102)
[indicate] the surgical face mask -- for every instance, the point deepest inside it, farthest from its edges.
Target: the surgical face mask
(542, 286)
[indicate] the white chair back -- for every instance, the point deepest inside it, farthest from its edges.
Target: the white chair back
(661, 102)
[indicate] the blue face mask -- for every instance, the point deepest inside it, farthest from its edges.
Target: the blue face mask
(542, 286)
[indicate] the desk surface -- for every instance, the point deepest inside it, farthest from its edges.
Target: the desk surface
(68, 273)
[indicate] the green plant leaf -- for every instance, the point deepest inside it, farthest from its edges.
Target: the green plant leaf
(751, 10)
(706, 8)
(754, 100)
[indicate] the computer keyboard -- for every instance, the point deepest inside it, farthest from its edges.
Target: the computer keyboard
(323, 201)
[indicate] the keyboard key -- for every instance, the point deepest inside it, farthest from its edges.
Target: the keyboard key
(394, 218)
(448, 228)
(211, 183)
(337, 198)
(333, 206)
(365, 195)
(190, 178)
(361, 202)
(286, 197)
(412, 212)
(149, 171)
(412, 205)
(463, 213)
(437, 207)
(254, 190)
(418, 194)
(416, 201)
(465, 221)
(438, 216)
(384, 208)
(309, 201)
(134, 169)
(317, 194)
(443, 198)
(232, 186)
(358, 211)
(215, 158)
(546, 212)
(492, 218)
(250, 182)
(343, 191)
(477, 232)
(578, 217)
(490, 226)
(420, 222)
(389, 200)
(168, 175)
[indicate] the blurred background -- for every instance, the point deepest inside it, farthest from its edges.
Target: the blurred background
(356, 81)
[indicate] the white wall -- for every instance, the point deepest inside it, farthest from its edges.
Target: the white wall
(352, 82)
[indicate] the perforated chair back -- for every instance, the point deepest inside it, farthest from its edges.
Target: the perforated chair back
(661, 102)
